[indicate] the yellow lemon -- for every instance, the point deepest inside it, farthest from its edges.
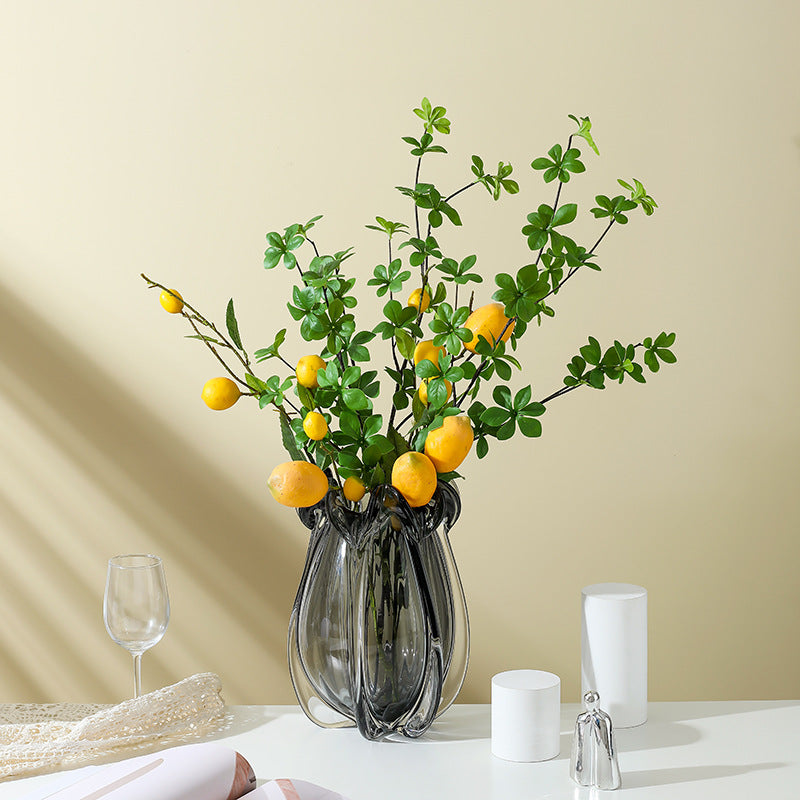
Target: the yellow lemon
(420, 300)
(423, 389)
(448, 445)
(353, 489)
(220, 393)
(427, 349)
(298, 484)
(306, 371)
(414, 476)
(315, 426)
(488, 321)
(171, 301)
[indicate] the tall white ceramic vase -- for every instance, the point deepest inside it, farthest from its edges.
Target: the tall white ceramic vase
(614, 649)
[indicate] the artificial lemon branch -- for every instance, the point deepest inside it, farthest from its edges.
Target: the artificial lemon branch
(176, 301)
(336, 429)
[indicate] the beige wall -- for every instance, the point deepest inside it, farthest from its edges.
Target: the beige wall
(168, 137)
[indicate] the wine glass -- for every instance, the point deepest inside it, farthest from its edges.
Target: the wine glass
(136, 606)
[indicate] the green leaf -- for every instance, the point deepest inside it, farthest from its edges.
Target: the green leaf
(373, 425)
(351, 375)
(329, 375)
(522, 398)
(667, 356)
(203, 338)
(427, 369)
(446, 477)
(507, 430)
(256, 384)
(272, 350)
(565, 214)
(585, 131)
(597, 378)
(503, 369)
(355, 400)
(591, 352)
(393, 311)
(495, 417)
(399, 443)
(363, 337)
(400, 399)
(505, 281)
(271, 257)
(502, 396)
(232, 324)
(417, 407)
(306, 397)
(405, 344)
(639, 196)
(529, 426)
(288, 438)
(314, 327)
(349, 425)
(349, 461)
(534, 409)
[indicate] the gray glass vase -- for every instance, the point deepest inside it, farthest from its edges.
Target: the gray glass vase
(379, 633)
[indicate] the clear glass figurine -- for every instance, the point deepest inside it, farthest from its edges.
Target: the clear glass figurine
(594, 757)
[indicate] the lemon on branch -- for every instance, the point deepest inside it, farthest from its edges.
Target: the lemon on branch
(298, 484)
(220, 393)
(171, 301)
(448, 445)
(353, 489)
(315, 426)
(414, 476)
(306, 371)
(490, 322)
(420, 300)
(427, 349)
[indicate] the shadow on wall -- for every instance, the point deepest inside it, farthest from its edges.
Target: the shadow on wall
(246, 565)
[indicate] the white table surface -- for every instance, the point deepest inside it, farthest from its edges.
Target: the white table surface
(703, 750)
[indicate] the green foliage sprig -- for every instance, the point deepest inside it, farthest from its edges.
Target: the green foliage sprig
(360, 441)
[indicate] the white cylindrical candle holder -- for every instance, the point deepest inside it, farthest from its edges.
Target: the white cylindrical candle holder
(526, 715)
(614, 649)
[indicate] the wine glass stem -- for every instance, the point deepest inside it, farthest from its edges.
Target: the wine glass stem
(137, 674)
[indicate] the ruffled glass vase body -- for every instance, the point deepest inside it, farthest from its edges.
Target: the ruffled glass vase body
(379, 634)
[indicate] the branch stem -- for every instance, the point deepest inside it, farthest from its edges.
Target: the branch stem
(416, 208)
(563, 390)
(462, 189)
(214, 351)
(244, 359)
(573, 270)
(482, 365)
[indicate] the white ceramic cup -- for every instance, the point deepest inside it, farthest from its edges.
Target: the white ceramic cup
(526, 715)
(614, 650)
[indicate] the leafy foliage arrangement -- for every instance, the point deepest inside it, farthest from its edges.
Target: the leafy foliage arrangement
(441, 371)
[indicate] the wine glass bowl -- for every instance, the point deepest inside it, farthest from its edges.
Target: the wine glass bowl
(136, 605)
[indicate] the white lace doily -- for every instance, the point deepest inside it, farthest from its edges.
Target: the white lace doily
(43, 738)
